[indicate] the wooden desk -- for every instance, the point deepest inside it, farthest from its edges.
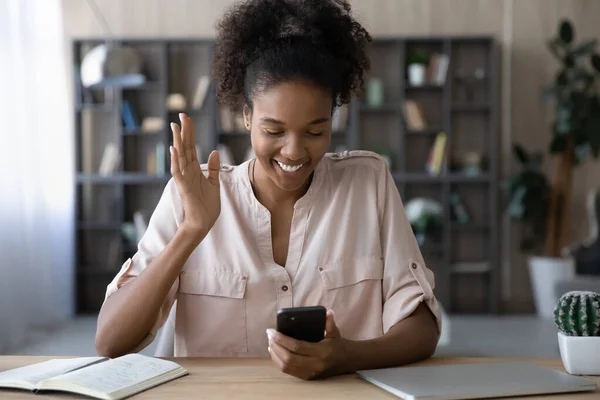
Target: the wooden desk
(259, 379)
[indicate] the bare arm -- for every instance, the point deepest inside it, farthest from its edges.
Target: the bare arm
(127, 316)
(410, 340)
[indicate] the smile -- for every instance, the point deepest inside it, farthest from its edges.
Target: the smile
(289, 168)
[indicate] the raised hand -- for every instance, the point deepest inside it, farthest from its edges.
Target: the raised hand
(200, 195)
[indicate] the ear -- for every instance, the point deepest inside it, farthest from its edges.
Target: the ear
(247, 116)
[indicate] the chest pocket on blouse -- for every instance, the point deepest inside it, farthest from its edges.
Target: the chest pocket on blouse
(350, 283)
(211, 311)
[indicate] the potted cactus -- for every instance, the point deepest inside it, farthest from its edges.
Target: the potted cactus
(577, 316)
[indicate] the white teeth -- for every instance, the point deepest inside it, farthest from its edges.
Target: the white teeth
(289, 168)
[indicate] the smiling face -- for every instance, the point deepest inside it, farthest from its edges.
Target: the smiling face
(291, 132)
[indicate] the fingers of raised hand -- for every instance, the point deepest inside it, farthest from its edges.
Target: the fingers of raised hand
(175, 170)
(177, 142)
(187, 136)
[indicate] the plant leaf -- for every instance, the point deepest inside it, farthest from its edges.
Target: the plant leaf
(563, 119)
(596, 62)
(558, 144)
(554, 46)
(527, 244)
(565, 31)
(550, 92)
(536, 159)
(520, 154)
(561, 78)
(585, 48)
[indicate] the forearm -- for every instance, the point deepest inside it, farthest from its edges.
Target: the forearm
(128, 315)
(412, 339)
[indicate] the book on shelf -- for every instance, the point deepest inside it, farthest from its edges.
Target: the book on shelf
(96, 377)
(111, 158)
(129, 117)
(437, 69)
(435, 162)
(201, 91)
(413, 115)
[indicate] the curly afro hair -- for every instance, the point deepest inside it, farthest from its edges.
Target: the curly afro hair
(261, 43)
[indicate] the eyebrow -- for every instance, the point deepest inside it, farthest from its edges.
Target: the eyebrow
(276, 121)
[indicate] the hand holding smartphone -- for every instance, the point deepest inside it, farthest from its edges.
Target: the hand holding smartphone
(302, 323)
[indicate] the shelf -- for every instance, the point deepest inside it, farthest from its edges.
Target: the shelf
(469, 226)
(470, 107)
(188, 111)
(434, 130)
(98, 226)
(141, 133)
(234, 134)
(425, 86)
(425, 178)
(387, 107)
(470, 267)
(148, 86)
(94, 107)
(131, 178)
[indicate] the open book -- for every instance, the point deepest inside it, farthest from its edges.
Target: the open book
(99, 377)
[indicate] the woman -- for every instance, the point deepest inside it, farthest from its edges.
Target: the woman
(292, 227)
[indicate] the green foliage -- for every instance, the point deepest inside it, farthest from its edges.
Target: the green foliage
(575, 94)
(418, 56)
(529, 193)
(578, 314)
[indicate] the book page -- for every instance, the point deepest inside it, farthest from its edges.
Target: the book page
(119, 373)
(38, 372)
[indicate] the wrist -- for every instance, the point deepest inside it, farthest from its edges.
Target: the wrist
(349, 362)
(191, 235)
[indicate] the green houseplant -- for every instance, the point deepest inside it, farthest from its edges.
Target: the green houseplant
(542, 205)
(417, 65)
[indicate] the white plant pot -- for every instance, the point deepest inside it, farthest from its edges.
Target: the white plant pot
(580, 354)
(416, 74)
(544, 272)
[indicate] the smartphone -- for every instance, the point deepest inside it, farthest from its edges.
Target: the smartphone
(302, 323)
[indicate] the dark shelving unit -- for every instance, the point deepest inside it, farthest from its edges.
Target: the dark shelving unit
(465, 259)
(106, 202)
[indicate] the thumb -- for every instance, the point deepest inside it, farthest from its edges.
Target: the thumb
(214, 166)
(331, 329)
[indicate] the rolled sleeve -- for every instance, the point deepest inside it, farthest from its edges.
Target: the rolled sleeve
(407, 281)
(161, 228)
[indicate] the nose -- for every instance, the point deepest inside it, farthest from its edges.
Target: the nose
(293, 148)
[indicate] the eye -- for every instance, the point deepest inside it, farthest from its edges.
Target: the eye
(273, 133)
(315, 133)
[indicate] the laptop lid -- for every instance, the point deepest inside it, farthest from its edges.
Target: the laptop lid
(474, 380)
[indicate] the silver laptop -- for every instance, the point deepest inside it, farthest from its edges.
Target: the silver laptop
(476, 380)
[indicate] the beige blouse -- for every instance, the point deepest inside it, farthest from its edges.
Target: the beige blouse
(351, 249)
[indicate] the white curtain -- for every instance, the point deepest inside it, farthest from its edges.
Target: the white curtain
(36, 174)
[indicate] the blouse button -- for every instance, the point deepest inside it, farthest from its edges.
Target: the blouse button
(183, 272)
(284, 288)
(320, 268)
(414, 266)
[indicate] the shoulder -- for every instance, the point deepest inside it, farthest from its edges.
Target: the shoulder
(227, 173)
(356, 161)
